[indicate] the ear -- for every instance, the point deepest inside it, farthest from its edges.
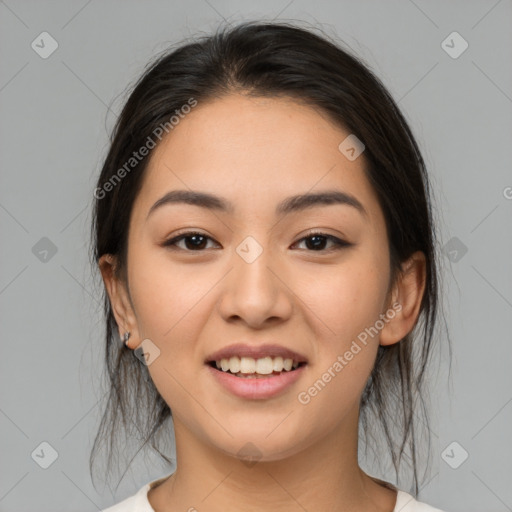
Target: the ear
(405, 299)
(119, 299)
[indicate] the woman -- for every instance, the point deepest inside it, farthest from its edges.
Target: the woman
(263, 229)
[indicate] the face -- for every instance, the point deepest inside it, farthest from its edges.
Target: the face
(309, 278)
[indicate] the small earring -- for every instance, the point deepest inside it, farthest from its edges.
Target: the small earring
(126, 337)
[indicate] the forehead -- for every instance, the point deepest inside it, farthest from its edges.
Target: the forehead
(255, 151)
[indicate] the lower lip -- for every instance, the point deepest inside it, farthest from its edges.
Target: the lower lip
(257, 388)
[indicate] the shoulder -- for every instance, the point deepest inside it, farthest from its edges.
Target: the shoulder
(136, 503)
(139, 502)
(407, 503)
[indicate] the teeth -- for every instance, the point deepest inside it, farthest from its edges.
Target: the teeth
(277, 364)
(247, 365)
(234, 364)
(262, 366)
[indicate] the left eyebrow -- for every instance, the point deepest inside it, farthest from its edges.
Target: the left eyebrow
(291, 204)
(304, 201)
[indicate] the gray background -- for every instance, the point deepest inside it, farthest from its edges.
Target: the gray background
(54, 122)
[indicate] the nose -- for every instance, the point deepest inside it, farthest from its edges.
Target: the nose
(256, 293)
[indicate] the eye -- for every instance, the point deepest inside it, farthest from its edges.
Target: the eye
(318, 241)
(194, 241)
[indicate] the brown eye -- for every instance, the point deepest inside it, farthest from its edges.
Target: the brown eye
(317, 241)
(194, 241)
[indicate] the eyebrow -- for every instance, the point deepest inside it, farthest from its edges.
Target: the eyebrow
(291, 204)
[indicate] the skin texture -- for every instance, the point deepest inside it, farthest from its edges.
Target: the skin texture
(255, 152)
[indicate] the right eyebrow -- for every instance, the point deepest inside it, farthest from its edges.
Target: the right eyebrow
(195, 198)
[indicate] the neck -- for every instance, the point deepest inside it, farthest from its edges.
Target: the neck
(325, 476)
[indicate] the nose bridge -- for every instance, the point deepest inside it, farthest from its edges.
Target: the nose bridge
(251, 266)
(253, 292)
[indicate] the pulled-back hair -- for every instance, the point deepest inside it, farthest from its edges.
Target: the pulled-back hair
(277, 60)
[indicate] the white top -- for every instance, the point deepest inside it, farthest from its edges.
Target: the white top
(139, 502)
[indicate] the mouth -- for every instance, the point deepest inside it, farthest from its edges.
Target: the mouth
(256, 368)
(256, 372)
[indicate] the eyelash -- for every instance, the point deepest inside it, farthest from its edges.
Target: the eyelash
(338, 243)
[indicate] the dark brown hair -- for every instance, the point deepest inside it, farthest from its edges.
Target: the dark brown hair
(276, 60)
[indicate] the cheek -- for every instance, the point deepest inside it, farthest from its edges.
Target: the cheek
(172, 305)
(170, 301)
(166, 295)
(344, 300)
(344, 305)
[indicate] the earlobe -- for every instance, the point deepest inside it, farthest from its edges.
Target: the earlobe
(405, 298)
(118, 296)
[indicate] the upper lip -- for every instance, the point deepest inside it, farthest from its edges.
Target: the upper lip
(256, 352)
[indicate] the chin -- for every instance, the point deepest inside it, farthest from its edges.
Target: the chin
(256, 445)
(250, 452)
